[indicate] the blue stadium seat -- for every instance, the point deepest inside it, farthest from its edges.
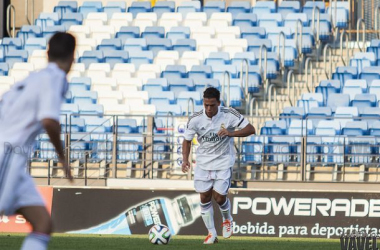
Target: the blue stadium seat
(189, 6)
(280, 149)
(127, 126)
(90, 6)
(236, 96)
(140, 57)
(291, 53)
(355, 128)
(255, 44)
(182, 45)
(159, 84)
(69, 19)
(253, 33)
(363, 101)
(85, 97)
(245, 20)
(70, 109)
(341, 13)
(218, 71)
(319, 113)
(159, 44)
(29, 31)
(96, 124)
(345, 114)
(163, 6)
(127, 32)
(375, 88)
(374, 129)
(332, 146)
(218, 58)
(91, 109)
(292, 113)
(139, 7)
(185, 95)
(201, 84)
(214, 7)
(239, 7)
(174, 71)
(310, 100)
(345, 73)
(153, 32)
(12, 44)
(74, 125)
(179, 85)
(177, 33)
(263, 6)
(335, 101)
(4, 68)
(35, 43)
(308, 41)
(278, 127)
(161, 98)
(14, 56)
(81, 83)
(110, 44)
(324, 26)
(270, 20)
(49, 31)
(371, 115)
(292, 20)
(47, 19)
(374, 48)
(89, 57)
(300, 128)
(115, 56)
(252, 150)
(200, 72)
(129, 148)
(289, 7)
(135, 44)
(352, 91)
(114, 7)
(362, 60)
(240, 56)
(309, 5)
(370, 74)
(273, 32)
(66, 6)
(164, 110)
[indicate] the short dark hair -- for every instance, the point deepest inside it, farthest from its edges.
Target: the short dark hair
(61, 47)
(212, 92)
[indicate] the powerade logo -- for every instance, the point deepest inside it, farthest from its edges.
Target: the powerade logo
(307, 206)
(153, 211)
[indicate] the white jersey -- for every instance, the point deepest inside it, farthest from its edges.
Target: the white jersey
(28, 102)
(214, 152)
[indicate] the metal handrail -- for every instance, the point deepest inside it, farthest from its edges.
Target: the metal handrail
(9, 8)
(264, 76)
(282, 57)
(190, 100)
(228, 86)
(292, 79)
(30, 22)
(309, 65)
(299, 38)
(327, 48)
(343, 35)
(358, 24)
(334, 7)
(376, 20)
(253, 100)
(245, 60)
(316, 34)
(270, 99)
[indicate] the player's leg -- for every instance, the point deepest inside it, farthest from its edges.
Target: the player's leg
(203, 185)
(39, 218)
(221, 187)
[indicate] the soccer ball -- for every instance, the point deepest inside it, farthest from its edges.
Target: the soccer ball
(159, 235)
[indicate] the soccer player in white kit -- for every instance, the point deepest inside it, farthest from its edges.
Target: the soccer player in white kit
(215, 127)
(30, 106)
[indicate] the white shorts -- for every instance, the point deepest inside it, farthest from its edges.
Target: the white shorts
(17, 188)
(219, 180)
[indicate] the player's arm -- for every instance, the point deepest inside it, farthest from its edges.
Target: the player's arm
(53, 129)
(186, 147)
(246, 131)
(186, 144)
(240, 122)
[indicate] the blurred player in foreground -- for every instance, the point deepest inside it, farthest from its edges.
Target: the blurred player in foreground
(29, 107)
(215, 127)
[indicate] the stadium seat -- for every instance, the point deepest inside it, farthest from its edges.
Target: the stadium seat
(139, 7)
(14, 56)
(345, 73)
(114, 57)
(289, 7)
(113, 7)
(370, 74)
(189, 7)
(69, 19)
(84, 97)
(49, 31)
(66, 6)
(317, 114)
(163, 7)
(346, 113)
(179, 85)
(211, 7)
(238, 7)
(110, 44)
(91, 109)
(245, 20)
(128, 32)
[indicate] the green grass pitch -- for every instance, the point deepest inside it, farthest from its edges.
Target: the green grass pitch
(102, 242)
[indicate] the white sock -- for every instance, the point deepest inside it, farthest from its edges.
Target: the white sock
(225, 209)
(36, 241)
(207, 212)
